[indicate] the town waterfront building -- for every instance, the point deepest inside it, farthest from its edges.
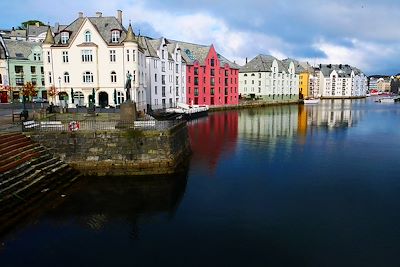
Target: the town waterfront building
(340, 81)
(211, 79)
(166, 73)
(3, 72)
(92, 60)
(383, 84)
(25, 64)
(268, 78)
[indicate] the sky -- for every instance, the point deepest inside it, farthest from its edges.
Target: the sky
(361, 33)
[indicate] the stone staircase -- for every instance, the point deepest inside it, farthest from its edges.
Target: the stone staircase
(27, 172)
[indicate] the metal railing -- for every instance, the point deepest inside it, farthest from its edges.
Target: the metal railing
(95, 125)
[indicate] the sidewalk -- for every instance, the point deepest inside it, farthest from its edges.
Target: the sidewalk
(6, 124)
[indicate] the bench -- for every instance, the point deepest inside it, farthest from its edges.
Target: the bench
(51, 124)
(20, 115)
(30, 124)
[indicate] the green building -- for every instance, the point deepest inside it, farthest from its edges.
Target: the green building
(25, 64)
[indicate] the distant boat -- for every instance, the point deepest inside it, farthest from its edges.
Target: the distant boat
(187, 112)
(389, 99)
(311, 101)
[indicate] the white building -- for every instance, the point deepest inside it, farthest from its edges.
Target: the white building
(95, 56)
(268, 78)
(166, 73)
(4, 82)
(340, 81)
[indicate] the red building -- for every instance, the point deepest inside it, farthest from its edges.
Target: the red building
(211, 79)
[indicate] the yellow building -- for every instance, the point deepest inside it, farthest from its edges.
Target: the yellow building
(304, 84)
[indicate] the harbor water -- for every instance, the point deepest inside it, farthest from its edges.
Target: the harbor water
(274, 186)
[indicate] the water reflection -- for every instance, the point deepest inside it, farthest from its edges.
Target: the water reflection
(212, 137)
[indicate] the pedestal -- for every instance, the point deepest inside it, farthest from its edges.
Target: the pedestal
(128, 113)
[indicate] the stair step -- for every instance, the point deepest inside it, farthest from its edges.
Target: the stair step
(32, 176)
(17, 150)
(15, 145)
(22, 152)
(21, 172)
(18, 162)
(12, 140)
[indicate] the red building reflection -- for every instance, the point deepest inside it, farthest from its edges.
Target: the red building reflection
(212, 137)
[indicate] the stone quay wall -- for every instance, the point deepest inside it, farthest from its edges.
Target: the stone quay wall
(119, 152)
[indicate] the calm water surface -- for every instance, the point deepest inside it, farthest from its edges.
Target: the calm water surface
(276, 186)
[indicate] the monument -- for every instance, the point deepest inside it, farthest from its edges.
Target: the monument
(128, 113)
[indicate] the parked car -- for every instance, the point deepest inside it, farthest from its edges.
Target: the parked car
(37, 99)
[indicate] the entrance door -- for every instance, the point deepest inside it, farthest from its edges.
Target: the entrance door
(103, 99)
(3, 97)
(78, 99)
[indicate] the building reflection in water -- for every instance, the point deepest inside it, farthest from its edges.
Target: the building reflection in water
(213, 137)
(339, 113)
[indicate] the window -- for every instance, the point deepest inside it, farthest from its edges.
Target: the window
(212, 62)
(66, 77)
(48, 57)
(127, 55)
(33, 69)
(88, 37)
(133, 55)
(163, 91)
(177, 68)
(87, 56)
(196, 91)
(42, 70)
(162, 66)
(163, 79)
(113, 77)
(196, 80)
(115, 35)
(155, 77)
(212, 81)
(212, 72)
(120, 97)
(196, 71)
(65, 56)
(112, 56)
(155, 90)
(37, 56)
(19, 70)
(50, 77)
(87, 77)
(1, 79)
(162, 54)
(259, 75)
(64, 37)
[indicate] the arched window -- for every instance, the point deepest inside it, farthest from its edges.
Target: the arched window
(113, 77)
(115, 35)
(87, 77)
(88, 36)
(66, 77)
(64, 37)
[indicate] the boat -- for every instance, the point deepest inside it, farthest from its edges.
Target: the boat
(311, 101)
(180, 112)
(188, 112)
(389, 99)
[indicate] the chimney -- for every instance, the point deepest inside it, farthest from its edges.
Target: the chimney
(99, 14)
(119, 16)
(80, 14)
(246, 60)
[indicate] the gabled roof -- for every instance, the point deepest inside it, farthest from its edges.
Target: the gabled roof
(262, 63)
(343, 70)
(148, 49)
(104, 26)
(20, 49)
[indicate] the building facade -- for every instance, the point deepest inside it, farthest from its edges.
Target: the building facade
(268, 78)
(25, 64)
(211, 79)
(340, 81)
(94, 60)
(4, 82)
(166, 73)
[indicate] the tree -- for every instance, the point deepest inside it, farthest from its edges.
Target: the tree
(52, 92)
(28, 90)
(25, 24)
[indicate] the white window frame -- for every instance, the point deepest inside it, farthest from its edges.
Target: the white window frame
(88, 36)
(87, 77)
(64, 37)
(66, 77)
(87, 55)
(113, 77)
(115, 36)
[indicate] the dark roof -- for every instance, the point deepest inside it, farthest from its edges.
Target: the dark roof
(20, 49)
(262, 63)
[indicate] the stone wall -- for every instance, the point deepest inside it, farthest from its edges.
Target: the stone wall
(119, 152)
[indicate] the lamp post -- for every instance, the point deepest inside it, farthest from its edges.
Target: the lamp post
(24, 113)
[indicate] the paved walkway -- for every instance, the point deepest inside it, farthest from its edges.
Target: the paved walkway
(6, 124)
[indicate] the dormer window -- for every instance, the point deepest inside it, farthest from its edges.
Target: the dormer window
(88, 37)
(64, 37)
(115, 35)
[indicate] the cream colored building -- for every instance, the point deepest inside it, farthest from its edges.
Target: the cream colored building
(95, 56)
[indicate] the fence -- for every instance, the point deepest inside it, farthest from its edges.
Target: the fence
(95, 125)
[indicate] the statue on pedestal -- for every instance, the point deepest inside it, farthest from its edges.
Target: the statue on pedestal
(128, 86)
